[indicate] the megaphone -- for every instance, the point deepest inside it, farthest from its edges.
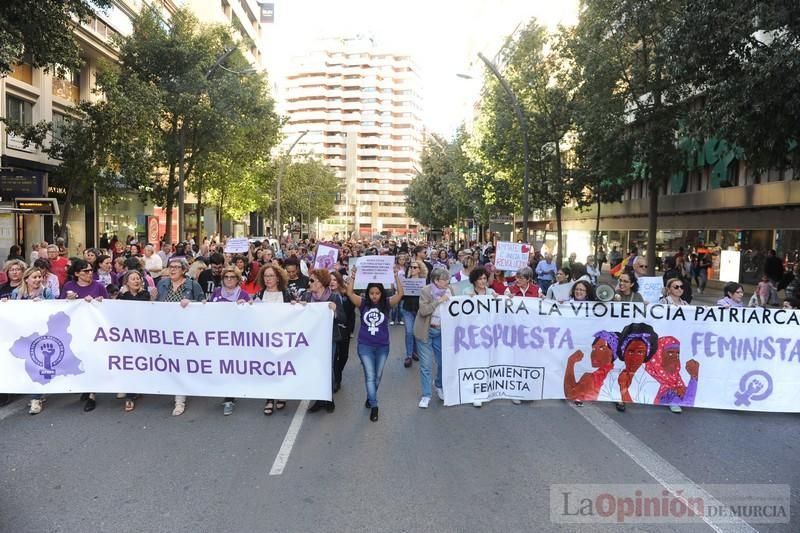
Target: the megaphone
(605, 293)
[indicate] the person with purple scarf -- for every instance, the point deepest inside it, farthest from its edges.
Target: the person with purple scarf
(428, 332)
(230, 291)
(373, 334)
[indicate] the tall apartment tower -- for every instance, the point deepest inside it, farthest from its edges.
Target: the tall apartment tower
(361, 108)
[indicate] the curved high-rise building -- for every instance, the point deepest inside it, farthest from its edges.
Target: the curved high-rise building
(361, 107)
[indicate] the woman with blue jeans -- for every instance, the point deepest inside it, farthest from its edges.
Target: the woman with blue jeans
(428, 332)
(408, 308)
(373, 335)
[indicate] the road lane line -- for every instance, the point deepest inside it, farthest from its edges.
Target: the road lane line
(288, 441)
(12, 409)
(656, 466)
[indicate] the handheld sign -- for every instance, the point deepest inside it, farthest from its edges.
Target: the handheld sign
(651, 288)
(238, 245)
(413, 286)
(375, 269)
(511, 255)
(326, 257)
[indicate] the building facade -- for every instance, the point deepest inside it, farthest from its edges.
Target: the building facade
(361, 108)
(30, 95)
(719, 206)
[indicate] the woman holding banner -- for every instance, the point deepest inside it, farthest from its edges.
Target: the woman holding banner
(32, 288)
(273, 284)
(230, 291)
(373, 335)
(734, 293)
(628, 290)
(13, 269)
(673, 293)
(339, 287)
(479, 278)
(319, 290)
(523, 284)
(428, 332)
(178, 287)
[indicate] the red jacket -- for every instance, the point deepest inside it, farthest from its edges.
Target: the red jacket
(532, 291)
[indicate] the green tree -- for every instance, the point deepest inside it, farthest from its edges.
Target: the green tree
(309, 189)
(539, 76)
(746, 66)
(622, 50)
(438, 196)
(207, 105)
(42, 31)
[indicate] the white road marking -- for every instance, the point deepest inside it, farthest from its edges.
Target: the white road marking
(12, 409)
(655, 465)
(288, 441)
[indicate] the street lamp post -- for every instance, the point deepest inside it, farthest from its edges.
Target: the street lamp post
(281, 170)
(524, 128)
(182, 147)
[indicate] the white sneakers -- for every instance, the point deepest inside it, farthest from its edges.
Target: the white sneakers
(180, 407)
(516, 402)
(424, 401)
(36, 407)
(440, 393)
(477, 403)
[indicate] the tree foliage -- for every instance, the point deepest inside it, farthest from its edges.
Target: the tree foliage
(42, 31)
(438, 195)
(309, 188)
(215, 119)
(746, 71)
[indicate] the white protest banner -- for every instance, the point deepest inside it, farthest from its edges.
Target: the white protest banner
(460, 287)
(326, 257)
(529, 349)
(374, 269)
(221, 349)
(237, 246)
(651, 288)
(412, 286)
(511, 255)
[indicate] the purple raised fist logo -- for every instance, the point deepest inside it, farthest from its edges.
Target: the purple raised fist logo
(47, 352)
(754, 386)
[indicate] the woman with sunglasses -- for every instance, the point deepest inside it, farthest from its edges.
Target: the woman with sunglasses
(319, 290)
(82, 284)
(408, 308)
(673, 293)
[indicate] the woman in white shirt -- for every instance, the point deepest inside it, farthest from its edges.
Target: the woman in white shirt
(559, 291)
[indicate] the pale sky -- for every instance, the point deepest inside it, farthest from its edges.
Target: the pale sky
(442, 36)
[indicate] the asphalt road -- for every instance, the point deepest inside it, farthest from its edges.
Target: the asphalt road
(441, 469)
